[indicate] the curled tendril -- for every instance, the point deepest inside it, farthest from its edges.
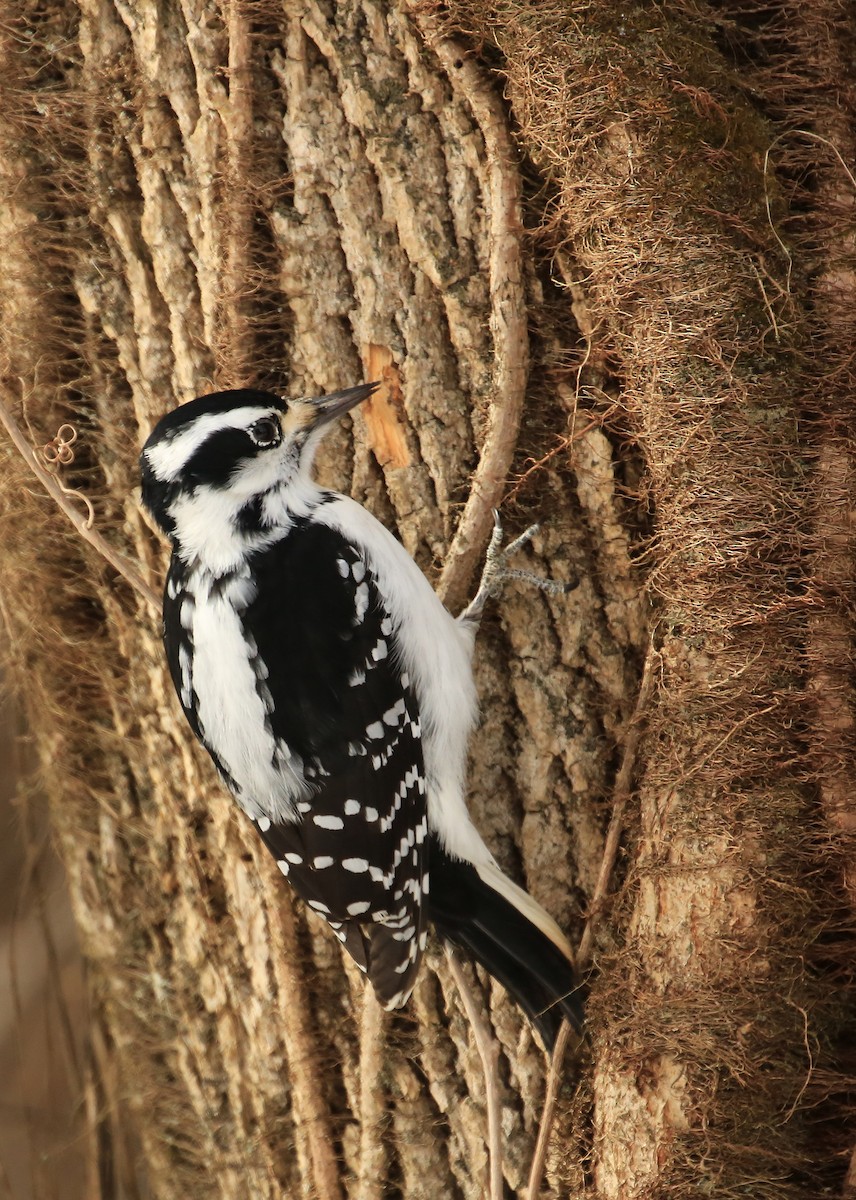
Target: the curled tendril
(58, 450)
(45, 472)
(58, 453)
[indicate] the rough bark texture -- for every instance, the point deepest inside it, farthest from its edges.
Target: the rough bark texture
(557, 234)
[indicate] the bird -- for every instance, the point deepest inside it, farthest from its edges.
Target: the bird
(335, 694)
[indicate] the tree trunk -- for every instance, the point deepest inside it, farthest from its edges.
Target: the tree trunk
(606, 287)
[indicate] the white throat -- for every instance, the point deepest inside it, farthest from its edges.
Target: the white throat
(208, 529)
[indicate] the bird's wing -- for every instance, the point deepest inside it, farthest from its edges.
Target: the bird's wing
(342, 701)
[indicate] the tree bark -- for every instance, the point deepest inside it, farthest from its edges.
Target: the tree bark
(597, 274)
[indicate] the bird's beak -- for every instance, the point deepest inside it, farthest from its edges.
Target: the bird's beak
(323, 409)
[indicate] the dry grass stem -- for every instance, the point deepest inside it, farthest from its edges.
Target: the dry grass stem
(488, 1050)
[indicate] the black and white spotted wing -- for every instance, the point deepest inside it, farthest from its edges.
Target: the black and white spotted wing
(176, 640)
(342, 701)
(179, 603)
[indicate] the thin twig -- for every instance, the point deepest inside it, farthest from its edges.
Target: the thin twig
(508, 317)
(311, 1110)
(372, 1170)
(548, 1113)
(488, 1051)
(55, 490)
(620, 798)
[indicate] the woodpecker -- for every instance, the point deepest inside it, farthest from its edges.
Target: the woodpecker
(334, 692)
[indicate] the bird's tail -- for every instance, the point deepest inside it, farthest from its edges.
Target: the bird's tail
(503, 928)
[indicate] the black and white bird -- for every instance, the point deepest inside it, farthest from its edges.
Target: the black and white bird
(335, 694)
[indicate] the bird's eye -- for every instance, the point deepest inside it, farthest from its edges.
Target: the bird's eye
(266, 432)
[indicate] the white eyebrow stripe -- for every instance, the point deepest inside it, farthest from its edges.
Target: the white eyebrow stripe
(168, 457)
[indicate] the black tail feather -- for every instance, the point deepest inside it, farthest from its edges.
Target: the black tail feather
(466, 910)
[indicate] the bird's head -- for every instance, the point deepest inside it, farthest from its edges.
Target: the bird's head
(234, 459)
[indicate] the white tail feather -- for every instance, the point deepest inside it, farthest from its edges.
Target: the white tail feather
(490, 874)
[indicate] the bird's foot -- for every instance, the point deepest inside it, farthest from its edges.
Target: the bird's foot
(496, 571)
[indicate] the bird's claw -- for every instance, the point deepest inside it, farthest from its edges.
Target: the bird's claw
(496, 572)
